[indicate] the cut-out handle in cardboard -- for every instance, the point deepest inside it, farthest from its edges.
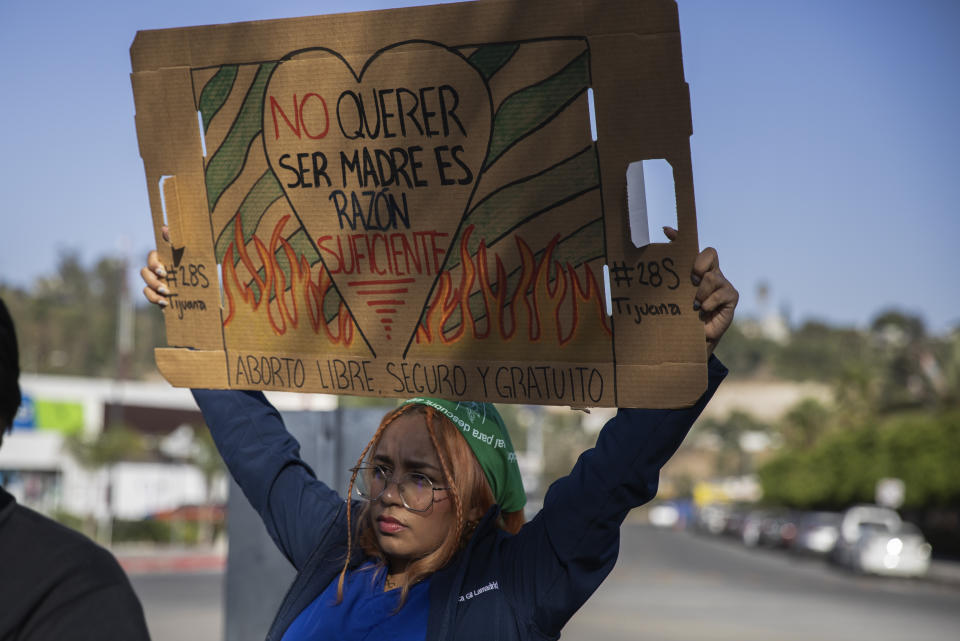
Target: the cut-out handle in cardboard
(651, 200)
(163, 200)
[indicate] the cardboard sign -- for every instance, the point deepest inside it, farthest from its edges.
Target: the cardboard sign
(406, 202)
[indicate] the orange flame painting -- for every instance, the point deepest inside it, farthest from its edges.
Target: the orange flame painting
(546, 302)
(278, 293)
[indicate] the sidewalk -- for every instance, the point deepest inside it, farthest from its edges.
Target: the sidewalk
(147, 559)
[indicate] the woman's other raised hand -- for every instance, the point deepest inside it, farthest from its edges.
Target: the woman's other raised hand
(716, 297)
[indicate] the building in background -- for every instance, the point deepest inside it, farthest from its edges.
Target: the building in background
(39, 467)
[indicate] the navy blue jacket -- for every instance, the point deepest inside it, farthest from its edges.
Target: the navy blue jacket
(501, 586)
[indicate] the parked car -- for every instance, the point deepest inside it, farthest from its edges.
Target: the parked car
(854, 522)
(733, 525)
(817, 533)
(778, 530)
(875, 540)
(902, 552)
(665, 515)
(711, 518)
(752, 527)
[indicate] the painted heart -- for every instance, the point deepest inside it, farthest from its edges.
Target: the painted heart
(380, 167)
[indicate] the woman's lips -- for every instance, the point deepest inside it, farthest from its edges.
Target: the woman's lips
(389, 525)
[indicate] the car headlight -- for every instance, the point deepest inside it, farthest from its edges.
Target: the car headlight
(894, 546)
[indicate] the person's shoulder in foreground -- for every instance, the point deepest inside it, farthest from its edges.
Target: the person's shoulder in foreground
(57, 584)
(54, 583)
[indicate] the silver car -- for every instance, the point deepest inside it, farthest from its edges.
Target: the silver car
(817, 533)
(875, 540)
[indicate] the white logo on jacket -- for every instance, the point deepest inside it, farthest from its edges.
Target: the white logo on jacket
(493, 585)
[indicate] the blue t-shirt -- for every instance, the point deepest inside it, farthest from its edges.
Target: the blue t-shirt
(366, 612)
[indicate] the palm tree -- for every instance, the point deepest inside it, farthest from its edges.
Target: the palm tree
(115, 444)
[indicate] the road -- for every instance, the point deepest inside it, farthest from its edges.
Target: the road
(670, 586)
(674, 585)
(186, 606)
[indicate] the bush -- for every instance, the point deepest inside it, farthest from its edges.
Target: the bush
(844, 467)
(146, 530)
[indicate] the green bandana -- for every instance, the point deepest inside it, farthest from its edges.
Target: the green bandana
(485, 433)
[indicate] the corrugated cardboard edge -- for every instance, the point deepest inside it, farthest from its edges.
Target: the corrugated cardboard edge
(656, 386)
(165, 56)
(348, 33)
(192, 368)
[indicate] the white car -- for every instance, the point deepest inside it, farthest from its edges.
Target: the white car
(665, 515)
(875, 540)
(901, 552)
(817, 533)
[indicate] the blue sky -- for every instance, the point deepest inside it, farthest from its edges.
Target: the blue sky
(824, 148)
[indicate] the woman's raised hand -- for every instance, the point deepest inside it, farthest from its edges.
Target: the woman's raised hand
(716, 297)
(153, 275)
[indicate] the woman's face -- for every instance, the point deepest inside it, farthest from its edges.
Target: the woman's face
(404, 535)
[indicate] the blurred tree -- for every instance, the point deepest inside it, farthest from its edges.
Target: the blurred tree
(913, 374)
(804, 424)
(207, 458)
(67, 323)
(951, 357)
(732, 458)
(746, 356)
(923, 450)
(844, 467)
(857, 393)
(820, 352)
(115, 444)
(898, 327)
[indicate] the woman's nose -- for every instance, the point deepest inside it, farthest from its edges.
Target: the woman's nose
(391, 494)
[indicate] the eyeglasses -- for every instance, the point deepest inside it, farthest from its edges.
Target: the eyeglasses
(416, 490)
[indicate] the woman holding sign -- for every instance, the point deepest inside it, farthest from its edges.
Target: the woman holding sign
(434, 545)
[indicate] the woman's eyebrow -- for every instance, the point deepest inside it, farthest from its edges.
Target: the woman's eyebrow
(420, 465)
(414, 464)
